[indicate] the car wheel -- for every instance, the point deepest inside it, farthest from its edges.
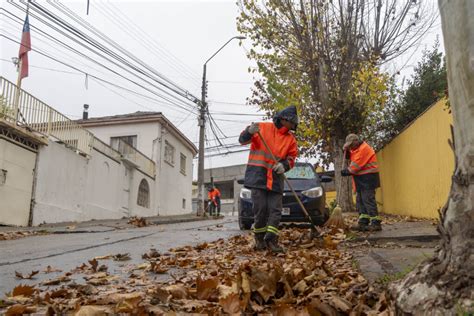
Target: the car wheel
(244, 225)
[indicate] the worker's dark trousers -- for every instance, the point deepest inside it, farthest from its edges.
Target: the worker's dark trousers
(218, 201)
(267, 211)
(367, 207)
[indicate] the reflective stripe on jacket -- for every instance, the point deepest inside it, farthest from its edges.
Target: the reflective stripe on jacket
(364, 167)
(259, 173)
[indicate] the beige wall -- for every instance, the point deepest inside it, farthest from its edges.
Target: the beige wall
(16, 187)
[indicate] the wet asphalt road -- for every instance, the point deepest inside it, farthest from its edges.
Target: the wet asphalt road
(67, 251)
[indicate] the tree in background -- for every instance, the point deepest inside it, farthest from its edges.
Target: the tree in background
(443, 285)
(427, 85)
(324, 57)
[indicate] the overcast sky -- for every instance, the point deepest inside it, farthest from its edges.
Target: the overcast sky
(185, 34)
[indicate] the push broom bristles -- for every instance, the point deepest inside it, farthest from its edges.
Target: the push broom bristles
(336, 220)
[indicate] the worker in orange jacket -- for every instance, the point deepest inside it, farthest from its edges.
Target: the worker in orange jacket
(364, 170)
(263, 174)
(214, 196)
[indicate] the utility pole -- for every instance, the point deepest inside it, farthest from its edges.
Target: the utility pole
(202, 125)
(202, 131)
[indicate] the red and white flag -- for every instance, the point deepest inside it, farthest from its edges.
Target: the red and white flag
(25, 47)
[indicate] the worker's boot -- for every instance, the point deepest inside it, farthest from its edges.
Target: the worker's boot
(360, 227)
(260, 243)
(272, 243)
(375, 227)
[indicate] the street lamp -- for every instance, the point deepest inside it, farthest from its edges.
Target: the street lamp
(202, 125)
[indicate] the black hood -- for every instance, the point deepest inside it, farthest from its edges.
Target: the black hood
(289, 114)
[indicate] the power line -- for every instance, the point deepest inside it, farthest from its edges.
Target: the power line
(140, 36)
(64, 9)
(98, 78)
(101, 64)
(45, 68)
(186, 68)
(114, 55)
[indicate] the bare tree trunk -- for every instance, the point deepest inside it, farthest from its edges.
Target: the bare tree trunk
(344, 189)
(444, 285)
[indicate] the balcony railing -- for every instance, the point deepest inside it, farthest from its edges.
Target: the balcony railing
(135, 157)
(35, 115)
(38, 117)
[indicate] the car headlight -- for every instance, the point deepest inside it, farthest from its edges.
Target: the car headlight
(245, 193)
(313, 192)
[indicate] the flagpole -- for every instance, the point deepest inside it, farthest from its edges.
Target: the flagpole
(18, 80)
(17, 92)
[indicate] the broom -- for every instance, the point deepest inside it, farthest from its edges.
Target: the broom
(316, 232)
(336, 220)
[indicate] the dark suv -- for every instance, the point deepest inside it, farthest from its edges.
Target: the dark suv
(307, 184)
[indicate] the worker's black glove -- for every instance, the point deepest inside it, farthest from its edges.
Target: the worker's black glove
(345, 173)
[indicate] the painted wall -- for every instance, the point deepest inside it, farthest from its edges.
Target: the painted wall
(16, 184)
(416, 167)
(174, 186)
(71, 187)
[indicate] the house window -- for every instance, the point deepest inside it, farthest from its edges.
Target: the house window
(182, 164)
(130, 140)
(143, 198)
(169, 153)
(184, 203)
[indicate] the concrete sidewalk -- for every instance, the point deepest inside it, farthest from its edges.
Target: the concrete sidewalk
(393, 252)
(99, 226)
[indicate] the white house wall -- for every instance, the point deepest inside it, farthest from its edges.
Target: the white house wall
(146, 133)
(16, 186)
(174, 185)
(171, 185)
(71, 187)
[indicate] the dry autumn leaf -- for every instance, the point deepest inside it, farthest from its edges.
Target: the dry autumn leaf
(50, 269)
(138, 221)
(207, 288)
(26, 277)
(122, 257)
(24, 290)
(152, 254)
(56, 281)
(230, 304)
(18, 309)
(90, 310)
(177, 291)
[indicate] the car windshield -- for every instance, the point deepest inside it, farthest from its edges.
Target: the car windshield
(301, 172)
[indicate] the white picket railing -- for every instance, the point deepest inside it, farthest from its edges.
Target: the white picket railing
(39, 117)
(36, 116)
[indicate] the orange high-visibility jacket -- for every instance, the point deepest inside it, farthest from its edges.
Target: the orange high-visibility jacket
(212, 195)
(259, 173)
(364, 167)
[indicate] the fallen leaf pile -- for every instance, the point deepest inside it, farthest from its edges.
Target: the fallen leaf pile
(313, 277)
(138, 221)
(20, 234)
(351, 219)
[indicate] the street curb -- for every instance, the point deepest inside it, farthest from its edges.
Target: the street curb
(421, 238)
(153, 223)
(177, 221)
